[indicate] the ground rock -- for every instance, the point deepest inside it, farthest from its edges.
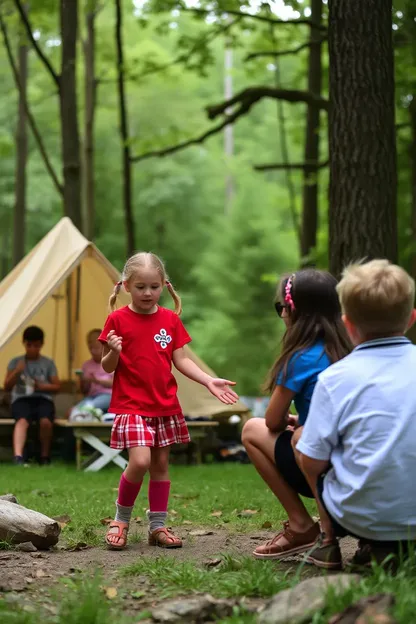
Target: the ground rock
(11, 498)
(19, 524)
(26, 547)
(370, 610)
(193, 610)
(297, 605)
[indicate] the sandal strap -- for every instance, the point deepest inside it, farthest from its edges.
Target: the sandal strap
(167, 532)
(121, 526)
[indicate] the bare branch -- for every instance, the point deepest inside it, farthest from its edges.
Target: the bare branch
(256, 16)
(251, 95)
(246, 99)
(30, 118)
(41, 55)
(291, 166)
(275, 53)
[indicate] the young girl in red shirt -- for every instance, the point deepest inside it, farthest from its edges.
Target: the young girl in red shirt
(140, 342)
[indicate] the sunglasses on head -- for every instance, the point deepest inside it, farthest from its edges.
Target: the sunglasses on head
(279, 307)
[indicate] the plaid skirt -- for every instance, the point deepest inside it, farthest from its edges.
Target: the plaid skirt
(131, 430)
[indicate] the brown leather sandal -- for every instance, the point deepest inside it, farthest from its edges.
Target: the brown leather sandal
(165, 538)
(122, 530)
(288, 542)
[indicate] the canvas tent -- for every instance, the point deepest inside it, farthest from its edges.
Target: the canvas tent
(63, 286)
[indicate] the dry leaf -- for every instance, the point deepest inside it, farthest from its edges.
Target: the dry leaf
(200, 533)
(216, 514)
(212, 563)
(106, 521)
(40, 573)
(187, 522)
(138, 519)
(62, 520)
(266, 525)
(77, 546)
(111, 592)
(247, 512)
(173, 512)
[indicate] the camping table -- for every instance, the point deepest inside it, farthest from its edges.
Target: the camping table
(97, 434)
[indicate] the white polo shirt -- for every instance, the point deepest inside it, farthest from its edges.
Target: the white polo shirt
(362, 419)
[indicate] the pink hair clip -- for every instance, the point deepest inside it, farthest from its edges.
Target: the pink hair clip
(288, 292)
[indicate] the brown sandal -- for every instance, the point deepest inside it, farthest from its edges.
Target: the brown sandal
(288, 542)
(165, 538)
(122, 530)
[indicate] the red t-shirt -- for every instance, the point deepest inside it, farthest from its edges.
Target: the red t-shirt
(143, 380)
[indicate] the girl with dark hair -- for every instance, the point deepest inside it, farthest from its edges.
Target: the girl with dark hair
(315, 338)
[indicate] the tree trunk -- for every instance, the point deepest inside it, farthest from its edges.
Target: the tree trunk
(362, 142)
(69, 113)
(90, 100)
(19, 224)
(310, 177)
(412, 115)
(124, 134)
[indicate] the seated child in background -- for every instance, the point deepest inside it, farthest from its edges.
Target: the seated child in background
(32, 379)
(95, 383)
(361, 426)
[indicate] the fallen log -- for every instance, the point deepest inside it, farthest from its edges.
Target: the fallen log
(9, 497)
(19, 524)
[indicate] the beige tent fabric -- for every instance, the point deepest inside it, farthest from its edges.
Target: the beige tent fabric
(63, 286)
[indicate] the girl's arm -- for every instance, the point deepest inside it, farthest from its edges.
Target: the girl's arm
(218, 387)
(111, 352)
(278, 409)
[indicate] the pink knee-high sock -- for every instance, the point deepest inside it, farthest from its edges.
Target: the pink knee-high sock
(159, 495)
(127, 492)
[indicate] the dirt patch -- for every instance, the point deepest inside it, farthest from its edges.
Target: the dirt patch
(29, 577)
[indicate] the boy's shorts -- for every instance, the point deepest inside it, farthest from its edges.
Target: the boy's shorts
(33, 408)
(286, 464)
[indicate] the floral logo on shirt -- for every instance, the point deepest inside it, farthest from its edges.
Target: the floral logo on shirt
(163, 338)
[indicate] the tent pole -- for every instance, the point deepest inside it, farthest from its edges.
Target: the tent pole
(77, 309)
(69, 324)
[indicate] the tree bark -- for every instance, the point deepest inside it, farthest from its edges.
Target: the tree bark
(412, 115)
(19, 524)
(19, 217)
(309, 226)
(69, 113)
(90, 86)
(363, 178)
(124, 134)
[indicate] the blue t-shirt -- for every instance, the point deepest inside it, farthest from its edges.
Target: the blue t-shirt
(302, 374)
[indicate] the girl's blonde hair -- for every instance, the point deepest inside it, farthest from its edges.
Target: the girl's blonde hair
(140, 260)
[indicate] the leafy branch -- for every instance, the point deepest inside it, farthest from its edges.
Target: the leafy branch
(276, 53)
(37, 48)
(29, 116)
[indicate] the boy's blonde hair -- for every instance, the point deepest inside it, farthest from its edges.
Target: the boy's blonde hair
(140, 260)
(377, 297)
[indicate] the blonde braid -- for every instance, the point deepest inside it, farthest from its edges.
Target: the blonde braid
(113, 296)
(176, 298)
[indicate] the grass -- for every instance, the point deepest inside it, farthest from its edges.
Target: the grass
(197, 493)
(235, 576)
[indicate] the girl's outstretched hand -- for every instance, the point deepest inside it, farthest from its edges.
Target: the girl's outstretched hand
(220, 389)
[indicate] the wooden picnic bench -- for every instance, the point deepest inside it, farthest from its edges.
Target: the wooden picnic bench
(97, 435)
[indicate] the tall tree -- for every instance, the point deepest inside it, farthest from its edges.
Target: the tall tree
(124, 133)
(69, 112)
(363, 178)
(19, 221)
(309, 227)
(66, 85)
(90, 92)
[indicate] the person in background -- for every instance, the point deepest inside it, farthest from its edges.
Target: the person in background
(33, 380)
(95, 383)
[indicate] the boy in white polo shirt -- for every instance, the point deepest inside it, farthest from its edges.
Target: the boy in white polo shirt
(358, 446)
